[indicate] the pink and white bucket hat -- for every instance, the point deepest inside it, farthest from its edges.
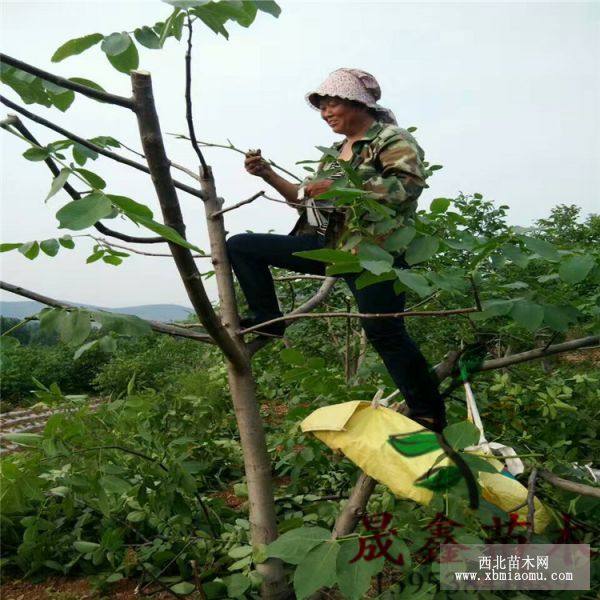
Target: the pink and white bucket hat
(352, 84)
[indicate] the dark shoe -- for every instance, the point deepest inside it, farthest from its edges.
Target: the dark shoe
(273, 330)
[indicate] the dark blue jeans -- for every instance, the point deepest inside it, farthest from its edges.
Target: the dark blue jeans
(251, 254)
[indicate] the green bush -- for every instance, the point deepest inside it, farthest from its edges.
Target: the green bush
(48, 364)
(154, 361)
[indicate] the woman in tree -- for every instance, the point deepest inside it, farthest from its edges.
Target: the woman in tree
(389, 162)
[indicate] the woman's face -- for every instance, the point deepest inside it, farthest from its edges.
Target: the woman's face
(342, 116)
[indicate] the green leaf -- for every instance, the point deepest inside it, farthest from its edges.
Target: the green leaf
(94, 180)
(186, 4)
(268, 6)
(125, 61)
(84, 348)
(136, 516)
(130, 207)
(576, 268)
(76, 46)
(114, 484)
(461, 435)
(421, 248)
(85, 547)
(443, 479)
(238, 552)
(64, 100)
(80, 214)
(367, 278)
(414, 281)
(129, 325)
(514, 254)
(183, 588)
(415, 444)
(30, 250)
(464, 241)
(50, 247)
(89, 83)
(8, 247)
(498, 307)
(116, 43)
(343, 267)
(167, 26)
(341, 194)
(541, 248)
(163, 230)
(66, 242)
(112, 260)
(24, 439)
(291, 356)
(293, 546)
(400, 239)
(317, 570)
(354, 578)
(559, 318)
(237, 585)
(374, 259)
(36, 154)
(114, 577)
(61, 491)
(92, 258)
(147, 37)
(74, 327)
(81, 153)
(327, 255)
(439, 205)
(528, 314)
(51, 319)
(478, 464)
(58, 182)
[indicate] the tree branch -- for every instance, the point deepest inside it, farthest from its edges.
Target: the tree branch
(232, 147)
(91, 146)
(322, 293)
(569, 486)
(531, 503)
(15, 122)
(295, 277)
(188, 94)
(134, 251)
(356, 315)
(247, 201)
(537, 353)
(157, 326)
(66, 83)
(158, 162)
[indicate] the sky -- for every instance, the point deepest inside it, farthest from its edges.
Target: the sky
(506, 96)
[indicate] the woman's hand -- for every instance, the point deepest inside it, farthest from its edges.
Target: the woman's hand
(256, 165)
(318, 187)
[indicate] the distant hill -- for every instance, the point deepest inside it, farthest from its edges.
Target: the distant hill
(154, 312)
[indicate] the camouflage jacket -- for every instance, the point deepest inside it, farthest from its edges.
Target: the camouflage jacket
(390, 162)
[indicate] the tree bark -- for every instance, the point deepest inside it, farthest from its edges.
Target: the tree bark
(263, 522)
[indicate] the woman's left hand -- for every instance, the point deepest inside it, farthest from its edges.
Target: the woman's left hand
(318, 187)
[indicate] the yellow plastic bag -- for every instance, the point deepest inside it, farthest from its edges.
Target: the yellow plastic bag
(361, 433)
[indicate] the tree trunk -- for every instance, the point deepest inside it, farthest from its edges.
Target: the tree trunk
(241, 381)
(263, 523)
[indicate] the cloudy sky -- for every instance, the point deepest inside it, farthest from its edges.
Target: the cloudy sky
(505, 95)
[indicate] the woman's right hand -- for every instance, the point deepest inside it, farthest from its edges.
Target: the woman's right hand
(256, 165)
